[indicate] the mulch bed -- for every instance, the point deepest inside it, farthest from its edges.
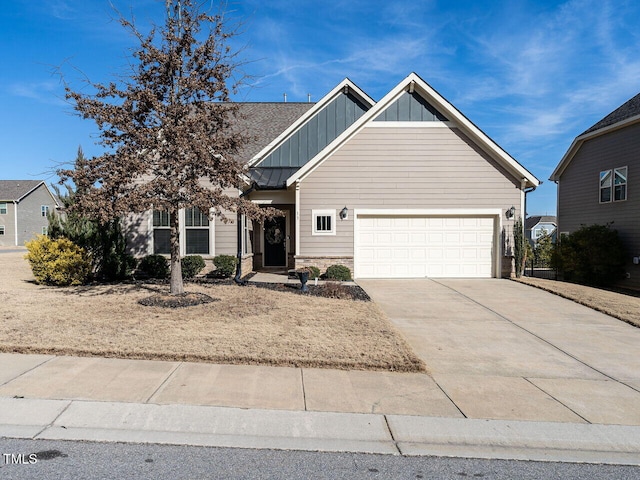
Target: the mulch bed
(186, 299)
(328, 290)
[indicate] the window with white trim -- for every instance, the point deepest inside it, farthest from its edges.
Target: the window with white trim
(323, 222)
(44, 209)
(196, 232)
(613, 185)
(161, 232)
(45, 230)
(3, 208)
(1, 229)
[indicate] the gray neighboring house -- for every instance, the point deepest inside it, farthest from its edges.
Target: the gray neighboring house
(536, 226)
(403, 187)
(598, 180)
(24, 205)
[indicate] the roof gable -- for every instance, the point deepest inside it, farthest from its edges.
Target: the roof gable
(410, 107)
(626, 114)
(16, 190)
(414, 84)
(317, 128)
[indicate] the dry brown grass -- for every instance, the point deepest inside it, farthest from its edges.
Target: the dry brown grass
(618, 305)
(245, 325)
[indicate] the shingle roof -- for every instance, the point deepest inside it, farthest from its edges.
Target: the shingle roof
(263, 122)
(271, 178)
(531, 222)
(629, 109)
(16, 189)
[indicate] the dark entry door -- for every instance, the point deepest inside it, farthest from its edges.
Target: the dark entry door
(275, 242)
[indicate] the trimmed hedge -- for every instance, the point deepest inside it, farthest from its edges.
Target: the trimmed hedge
(338, 272)
(58, 262)
(156, 266)
(192, 265)
(225, 265)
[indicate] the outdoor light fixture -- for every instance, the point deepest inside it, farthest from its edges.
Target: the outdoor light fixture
(344, 213)
(510, 212)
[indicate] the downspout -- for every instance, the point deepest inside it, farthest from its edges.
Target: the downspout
(238, 277)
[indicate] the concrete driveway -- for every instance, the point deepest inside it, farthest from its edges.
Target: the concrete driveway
(500, 349)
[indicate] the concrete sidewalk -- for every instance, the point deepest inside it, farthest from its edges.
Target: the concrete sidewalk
(97, 399)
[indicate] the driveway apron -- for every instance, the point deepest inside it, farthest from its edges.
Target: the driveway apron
(500, 349)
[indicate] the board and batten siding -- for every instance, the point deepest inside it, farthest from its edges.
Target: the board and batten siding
(579, 190)
(401, 168)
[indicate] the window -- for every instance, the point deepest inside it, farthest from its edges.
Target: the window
(1, 229)
(45, 230)
(44, 209)
(197, 232)
(3, 208)
(324, 222)
(161, 244)
(620, 184)
(613, 185)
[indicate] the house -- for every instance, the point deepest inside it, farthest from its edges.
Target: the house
(24, 205)
(538, 225)
(597, 179)
(403, 187)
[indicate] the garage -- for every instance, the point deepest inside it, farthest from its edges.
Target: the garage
(418, 246)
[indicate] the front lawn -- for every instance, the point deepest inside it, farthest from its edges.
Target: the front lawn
(245, 325)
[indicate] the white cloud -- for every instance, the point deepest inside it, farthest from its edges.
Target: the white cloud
(48, 92)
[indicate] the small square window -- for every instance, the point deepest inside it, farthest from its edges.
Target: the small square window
(3, 208)
(324, 222)
(44, 209)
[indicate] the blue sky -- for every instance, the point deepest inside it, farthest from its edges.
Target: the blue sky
(531, 74)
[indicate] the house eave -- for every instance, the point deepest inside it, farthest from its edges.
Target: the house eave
(579, 140)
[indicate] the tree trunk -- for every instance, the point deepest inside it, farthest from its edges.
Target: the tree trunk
(176, 286)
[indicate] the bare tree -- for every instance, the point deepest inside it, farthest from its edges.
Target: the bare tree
(166, 128)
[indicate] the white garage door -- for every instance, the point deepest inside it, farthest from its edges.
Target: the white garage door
(417, 247)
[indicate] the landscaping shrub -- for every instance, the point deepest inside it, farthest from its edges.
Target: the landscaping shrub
(192, 265)
(58, 262)
(314, 272)
(225, 265)
(592, 255)
(335, 290)
(156, 266)
(338, 272)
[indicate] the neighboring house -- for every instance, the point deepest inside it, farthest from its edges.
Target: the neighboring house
(405, 187)
(598, 180)
(24, 205)
(538, 225)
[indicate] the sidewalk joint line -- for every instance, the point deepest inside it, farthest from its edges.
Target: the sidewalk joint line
(304, 393)
(171, 373)
(447, 395)
(557, 400)
(30, 370)
(52, 421)
(393, 439)
(533, 334)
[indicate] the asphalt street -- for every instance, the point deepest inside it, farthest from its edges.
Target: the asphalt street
(45, 459)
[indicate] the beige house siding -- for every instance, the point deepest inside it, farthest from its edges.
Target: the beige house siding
(8, 221)
(579, 190)
(401, 168)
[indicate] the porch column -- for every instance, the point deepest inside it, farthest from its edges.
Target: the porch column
(297, 208)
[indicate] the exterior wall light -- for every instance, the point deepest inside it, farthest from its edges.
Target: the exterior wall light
(510, 212)
(344, 213)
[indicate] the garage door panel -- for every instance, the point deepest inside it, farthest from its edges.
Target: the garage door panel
(411, 246)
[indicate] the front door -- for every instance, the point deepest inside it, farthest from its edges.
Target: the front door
(275, 242)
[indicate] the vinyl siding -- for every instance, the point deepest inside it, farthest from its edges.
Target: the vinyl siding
(409, 168)
(579, 189)
(30, 219)
(8, 221)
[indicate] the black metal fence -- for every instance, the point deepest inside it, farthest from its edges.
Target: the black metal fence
(539, 268)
